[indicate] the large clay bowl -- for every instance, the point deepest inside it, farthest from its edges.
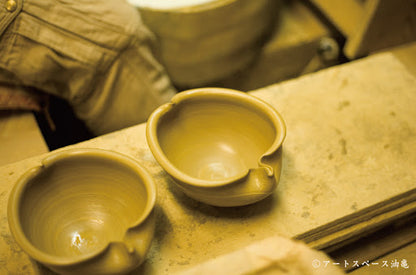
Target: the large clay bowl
(204, 43)
(221, 146)
(84, 211)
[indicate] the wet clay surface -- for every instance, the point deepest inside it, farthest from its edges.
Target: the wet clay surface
(215, 140)
(351, 142)
(221, 146)
(78, 204)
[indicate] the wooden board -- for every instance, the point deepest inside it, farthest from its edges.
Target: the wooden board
(291, 51)
(371, 25)
(20, 137)
(338, 233)
(351, 143)
(379, 246)
(346, 15)
(406, 257)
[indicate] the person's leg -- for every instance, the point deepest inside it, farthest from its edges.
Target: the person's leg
(127, 93)
(97, 55)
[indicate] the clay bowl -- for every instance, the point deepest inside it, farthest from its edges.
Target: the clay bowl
(222, 147)
(84, 211)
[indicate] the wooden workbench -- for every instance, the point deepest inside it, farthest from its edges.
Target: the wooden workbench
(351, 144)
(20, 136)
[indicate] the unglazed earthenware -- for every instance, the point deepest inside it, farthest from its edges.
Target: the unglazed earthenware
(201, 43)
(84, 211)
(222, 147)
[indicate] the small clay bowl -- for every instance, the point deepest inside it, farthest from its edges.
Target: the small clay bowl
(222, 147)
(84, 211)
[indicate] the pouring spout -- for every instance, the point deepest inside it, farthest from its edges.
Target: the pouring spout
(138, 238)
(257, 184)
(114, 259)
(273, 163)
(121, 257)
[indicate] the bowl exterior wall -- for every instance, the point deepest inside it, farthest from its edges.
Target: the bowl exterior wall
(248, 186)
(204, 44)
(124, 253)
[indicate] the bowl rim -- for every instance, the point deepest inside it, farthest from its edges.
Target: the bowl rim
(239, 97)
(15, 199)
(190, 9)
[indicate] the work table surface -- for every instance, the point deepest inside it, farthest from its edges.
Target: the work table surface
(351, 143)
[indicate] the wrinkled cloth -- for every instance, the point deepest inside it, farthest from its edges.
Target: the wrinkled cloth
(96, 54)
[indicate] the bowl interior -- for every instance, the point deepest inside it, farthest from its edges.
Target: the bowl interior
(215, 139)
(78, 205)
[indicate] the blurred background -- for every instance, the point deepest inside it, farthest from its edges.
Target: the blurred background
(239, 44)
(246, 45)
